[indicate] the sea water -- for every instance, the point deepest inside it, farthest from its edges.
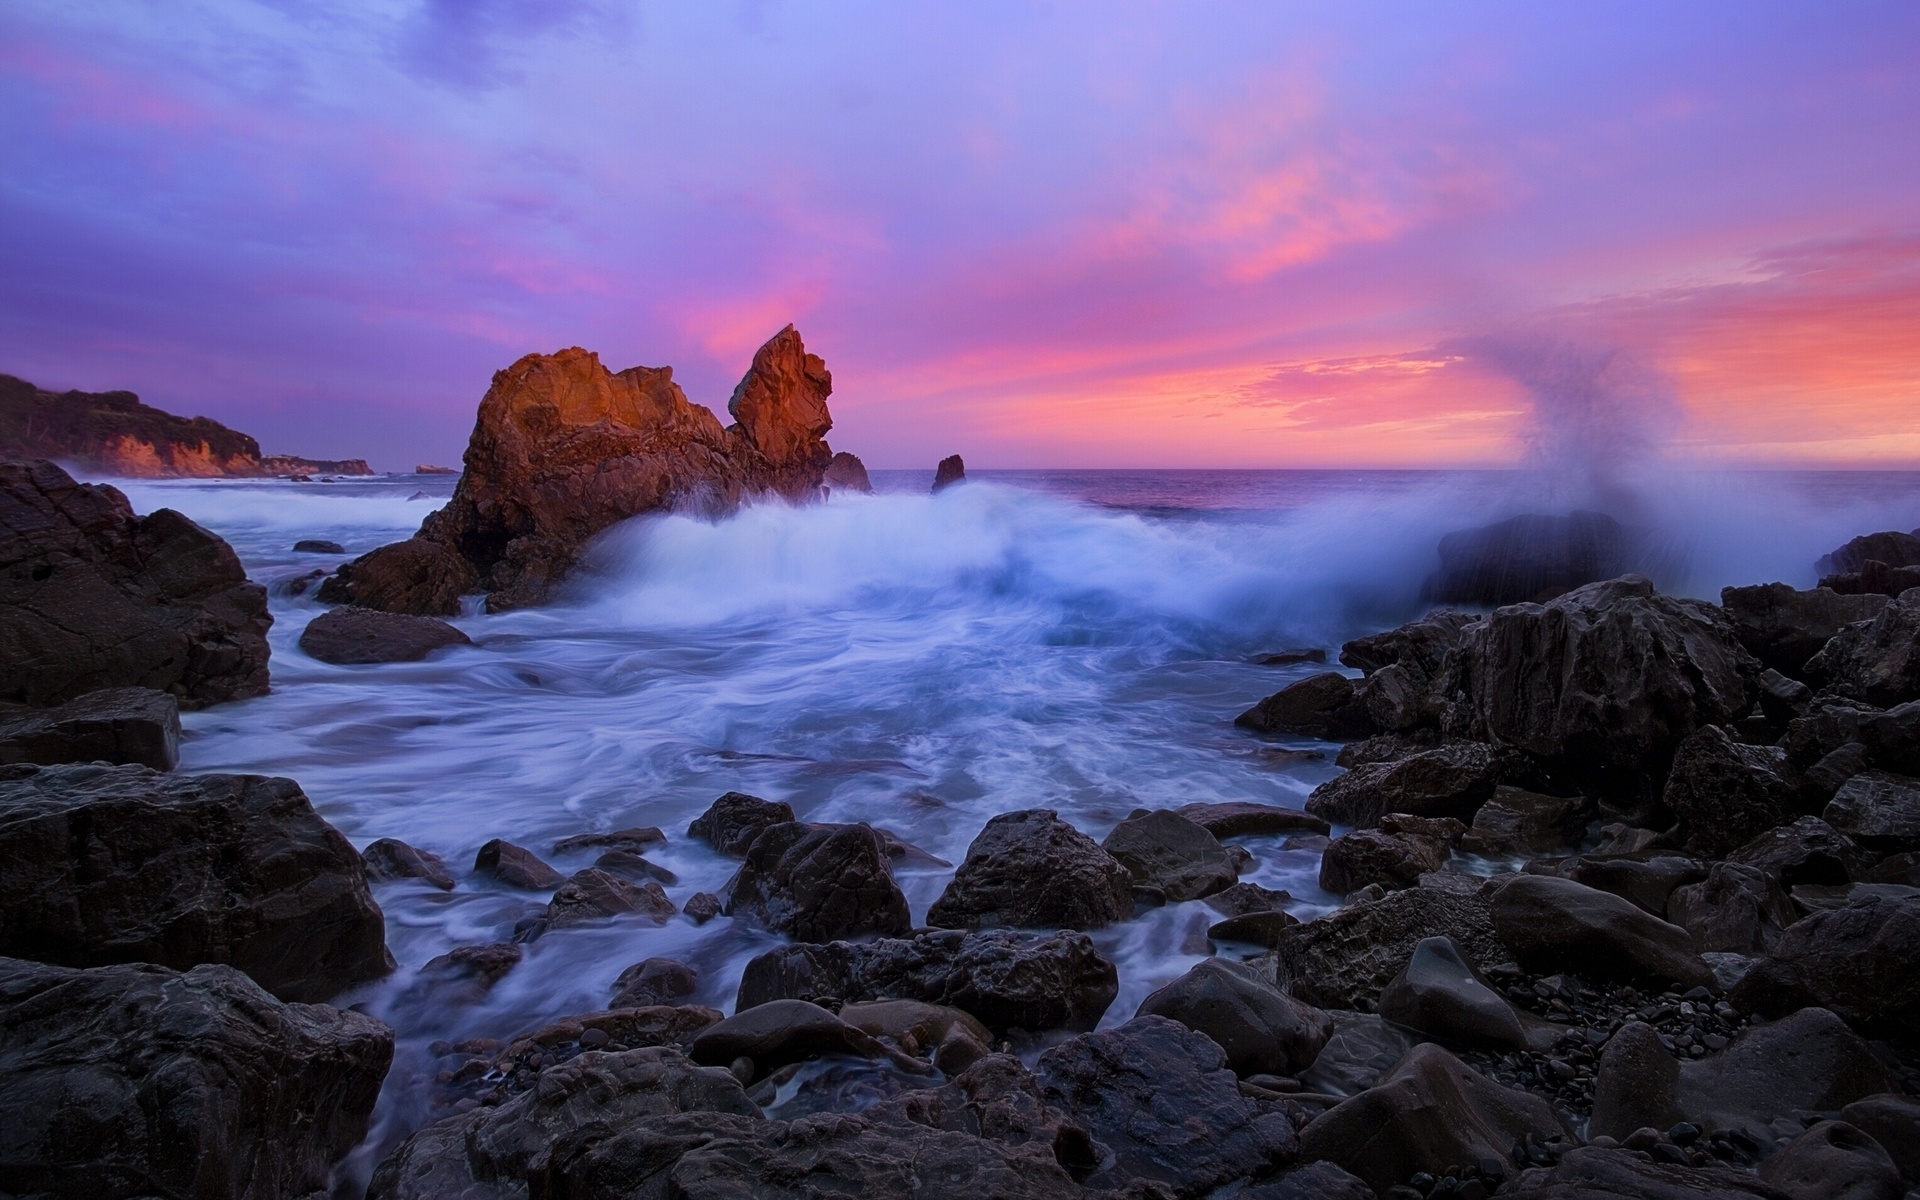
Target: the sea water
(1079, 641)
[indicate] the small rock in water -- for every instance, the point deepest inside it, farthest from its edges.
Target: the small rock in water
(515, 866)
(391, 858)
(952, 470)
(702, 907)
(318, 546)
(1287, 658)
(354, 636)
(654, 981)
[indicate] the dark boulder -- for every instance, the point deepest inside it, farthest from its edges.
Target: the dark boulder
(819, 882)
(1806, 851)
(390, 858)
(1359, 1053)
(1861, 961)
(846, 473)
(103, 864)
(1893, 548)
(1401, 665)
(1165, 851)
(1440, 994)
(1241, 818)
(138, 1081)
(952, 470)
(1875, 661)
(1394, 856)
(1450, 780)
(94, 597)
(515, 866)
(464, 975)
(1834, 1161)
(1878, 810)
(587, 896)
(1032, 870)
(954, 1039)
(1009, 980)
(1892, 1120)
(418, 577)
(1555, 924)
(1724, 794)
(1319, 706)
(1601, 685)
(1519, 822)
(125, 725)
(1874, 578)
(1529, 557)
(633, 839)
(1344, 959)
(318, 546)
(732, 822)
(1645, 877)
(1736, 909)
(1262, 1029)
(654, 981)
(1783, 628)
(787, 1031)
(353, 636)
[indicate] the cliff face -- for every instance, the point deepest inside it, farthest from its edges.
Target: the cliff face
(115, 434)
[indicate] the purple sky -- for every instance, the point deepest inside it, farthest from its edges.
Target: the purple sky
(1220, 234)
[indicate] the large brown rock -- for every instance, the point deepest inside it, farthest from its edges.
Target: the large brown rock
(137, 1080)
(1558, 925)
(1344, 959)
(1599, 685)
(418, 577)
(133, 725)
(562, 448)
(1320, 706)
(354, 636)
(104, 865)
(1032, 870)
(1450, 780)
(92, 596)
(818, 883)
(1261, 1028)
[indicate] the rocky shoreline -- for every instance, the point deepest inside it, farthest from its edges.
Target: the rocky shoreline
(1631, 881)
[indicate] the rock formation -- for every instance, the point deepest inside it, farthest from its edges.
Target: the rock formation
(952, 470)
(1530, 557)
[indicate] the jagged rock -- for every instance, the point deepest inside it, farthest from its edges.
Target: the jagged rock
(1319, 706)
(1877, 661)
(1030, 869)
(819, 882)
(732, 822)
(784, 1031)
(1784, 628)
(1393, 856)
(1873, 578)
(93, 597)
(1529, 557)
(1834, 1161)
(1430, 1113)
(1724, 794)
(1879, 810)
(1600, 685)
(952, 470)
(846, 473)
(1559, 925)
(1440, 994)
(654, 981)
(1451, 780)
(1401, 665)
(1894, 548)
(1517, 821)
(1807, 851)
(1159, 1098)
(1005, 978)
(133, 725)
(102, 864)
(1360, 1051)
(703, 907)
(591, 894)
(1591, 1173)
(634, 839)
(137, 1080)
(1164, 850)
(353, 635)
(1261, 1029)
(1861, 961)
(515, 866)
(1737, 909)
(1645, 877)
(1344, 959)
(1892, 1120)
(418, 577)
(1240, 818)
(390, 858)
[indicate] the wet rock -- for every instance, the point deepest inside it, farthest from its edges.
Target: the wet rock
(1519, 822)
(1160, 1100)
(1645, 877)
(1393, 856)
(846, 473)
(996, 1098)
(634, 867)
(1898, 868)
(1344, 959)
(1244, 898)
(1724, 794)
(93, 597)
(654, 981)
(390, 858)
(418, 577)
(952, 470)
(1529, 557)
(1556, 924)
(819, 882)
(1031, 870)
(1440, 994)
(703, 907)
(515, 866)
(1291, 656)
(1806, 851)
(1834, 1161)
(1892, 1120)
(1005, 978)
(1319, 706)
(1261, 1029)
(352, 636)
(1259, 928)
(1451, 780)
(318, 546)
(103, 864)
(463, 975)
(1874, 578)
(1784, 628)
(1861, 961)
(1893, 548)
(1361, 1049)
(1737, 909)
(1782, 699)
(529, 1053)
(589, 895)
(1401, 665)
(1593, 1173)
(1240, 818)
(1879, 810)
(954, 1039)
(732, 822)
(135, 725)
(786, 1031)
(1876, 661)
(634, 840)
(1600, 685)
(1162, 849)
(431, 1164)
(137, 1080)
(1430, 1113)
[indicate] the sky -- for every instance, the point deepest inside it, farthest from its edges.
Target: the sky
(1070, 235)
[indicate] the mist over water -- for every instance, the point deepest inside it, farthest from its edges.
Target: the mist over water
(1072, 640)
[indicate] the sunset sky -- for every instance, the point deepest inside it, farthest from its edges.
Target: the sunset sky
(1219, 234)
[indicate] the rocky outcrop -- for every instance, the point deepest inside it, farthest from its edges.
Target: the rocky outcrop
(293, 464)
(1556, 924)
(1260, 1028)
(1892, 547)
(846, 473)
(1345, 958)
(1862, 961)
(562, 448)
(1875, 661)
(138, 726)
(1517, 821)
(952, 470)
(818, 883)
(1451, 780)
(732, 822)
(1531, 557)
(1784, 628)
(1319, 706)
(1032, 870)
(1395, 855)
(1724, 793)
(1166, 852)
(356, 636)
(106, 865)
(1401, 665)
(93, 597)
(137, 1080)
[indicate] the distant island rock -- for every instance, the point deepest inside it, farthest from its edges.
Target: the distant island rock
(114, 433)
(430, 469)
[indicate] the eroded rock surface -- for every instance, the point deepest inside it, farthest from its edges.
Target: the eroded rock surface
(1031, 870)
